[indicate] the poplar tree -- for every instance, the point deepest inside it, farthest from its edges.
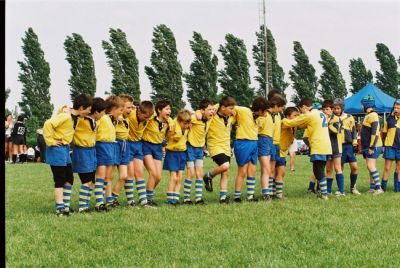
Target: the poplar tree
(389, 78)
(359, 75)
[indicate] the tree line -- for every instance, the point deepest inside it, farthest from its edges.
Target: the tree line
(167, 76)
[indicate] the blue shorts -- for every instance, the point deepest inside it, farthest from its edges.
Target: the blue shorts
(318, 157)
(375, 155)
(84, 159)
(281, 162)
(331, 156)
(58, 155)
(276, 154)
(122, 153)
(174, 160)
(348, 154)
(135, 150)
(194, 153)
(265, 146)
(152, 149)
(245, 151)
(105, 153)
(392, 153)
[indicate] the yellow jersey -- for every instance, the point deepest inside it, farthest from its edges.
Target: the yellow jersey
(106, 129)
(316, 130)
(335, 134)
(287, 138)
(349, 129)
(155, 130)
(370, 131)
(219, 135)
(136, 127)
(177, 138)
(265, 125)
(85, 132)
(122, 129)
(391, 131)
(198, 131)
(247, 128)
(276, 135)
(59, 128)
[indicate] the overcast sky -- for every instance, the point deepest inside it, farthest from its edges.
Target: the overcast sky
(347, 29)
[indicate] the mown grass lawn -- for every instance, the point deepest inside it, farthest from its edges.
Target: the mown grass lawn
(299, 231)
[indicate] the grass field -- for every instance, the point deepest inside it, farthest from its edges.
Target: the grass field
(299, 231)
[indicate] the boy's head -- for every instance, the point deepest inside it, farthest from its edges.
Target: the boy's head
(327, 107)
(368, 102)
(115, 106)
(145, 110)
(276, 104)
(21, 118)
(396, 107)
(338, 106)
(259, 105)
(305, 105)
(128, 103)
(163, 109)
(226, 105)
(82, 104)
(98, 108)
(291, 112)
(184, 119)
(274, 92)
(207, 108)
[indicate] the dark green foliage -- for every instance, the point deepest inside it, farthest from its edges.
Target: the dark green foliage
(7, 94)
(203, 75)
(80, 57)
(276, 75)
(359, 74)
(235, 78)
(331, 81)
(165, 74)
(389, 78)
(124, 65)
(305, 82)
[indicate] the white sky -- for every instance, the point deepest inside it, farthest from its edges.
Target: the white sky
(347, 29)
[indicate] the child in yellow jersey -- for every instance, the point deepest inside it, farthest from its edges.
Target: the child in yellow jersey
(153, 137)
(138, 120)
(219, 145)
(391, 141)
(371, 143)
(123, 154)
(334, 161)
(175, 156)
(84, 160)
(196, 140)
(316, 126)
(105, 152)
(58, 133)
(286, 139)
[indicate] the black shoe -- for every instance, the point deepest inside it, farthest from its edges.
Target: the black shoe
(66, 213)
(252, 199)
(115, 203)
(200, 202)
(311, 191)
(101, 208)
(188, 202)
(84, 210)
(131, 204)
(208, 182)
(224, 201)
(151, 203)
(70, 210)
(147, 205)
(237, 200)
(267, 198)
(61, 213)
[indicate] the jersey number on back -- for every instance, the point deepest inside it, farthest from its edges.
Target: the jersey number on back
(324, 123)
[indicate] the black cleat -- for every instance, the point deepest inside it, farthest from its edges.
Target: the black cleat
(267, 198)
(224, 200)
(61, 213)
(115, 203)
(252, 199)
(187, 202)
(208, 182)
(200, 202)
(84, 210)
(151, 203)
(131, 204)
(237, 200)
(101, 208)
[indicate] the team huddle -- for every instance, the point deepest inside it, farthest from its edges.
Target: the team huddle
(105, 134)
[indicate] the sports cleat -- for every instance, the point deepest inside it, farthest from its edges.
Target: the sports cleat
(237, 200)
(147, 205)
(187, 202)
(311, 191)
(267, 198)
(101, 208)
(378, 191)
(151, 203)
(200, 202)
(252, 199)
(279, 196)
(355, 191)
(61, 213)
(208, 182)
(323, 196)
(84, 210)
(224, 200)
(115, 203)
(132, 204)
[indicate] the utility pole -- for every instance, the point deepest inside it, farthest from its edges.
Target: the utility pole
(265, 52)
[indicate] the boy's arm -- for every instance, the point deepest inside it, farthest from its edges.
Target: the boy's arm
(301, 121)
(374, 130)
(384, 132)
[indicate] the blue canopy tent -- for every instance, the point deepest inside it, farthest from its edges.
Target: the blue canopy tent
(384, 103)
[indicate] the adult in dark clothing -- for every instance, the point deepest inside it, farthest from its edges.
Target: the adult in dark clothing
(18, 136)
(42, 145)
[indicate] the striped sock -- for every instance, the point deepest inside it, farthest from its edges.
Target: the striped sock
(323, 186)
(372, 186)
(377, 179)
(104, 187)
(150, 194)
(98, 191)
(176, 198)
(329, 182)
(84, 196)
(340, 182)
(115, 195)
(141, 189)
(384, 184)
(129, 190)
(251, 184)
(353, 180)
(59, 206)
(223, 193)
(279, 187)
(67, 196)
(170, 197)
(311, 185)
(237, 194)
(396, 182)
(187, 188)
(199, 190)
(109, 199)
(265, 191)
(273, 187)
(270, 184)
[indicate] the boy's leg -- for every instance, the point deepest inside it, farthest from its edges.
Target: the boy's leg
(85, 192)
(223, 195)
(353, 178)
(251, 181)
(98, 188)
(265, 172)
(374, 174)
(386, 172)
(171, 188)
(339, 175)
(319, 172)
(140, 182)
(329, 176)
(187, 186)
(59, 181)
(241, 173)
(279, 180)
(67, 191)
(396, 177)
(198, 166)
(178, 184)
(151, 168)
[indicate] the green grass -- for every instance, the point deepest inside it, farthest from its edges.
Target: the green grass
(299, 231)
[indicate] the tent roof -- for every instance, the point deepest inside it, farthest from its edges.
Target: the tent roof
(383, 102)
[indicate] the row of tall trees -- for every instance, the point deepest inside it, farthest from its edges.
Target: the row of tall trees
(166, 74)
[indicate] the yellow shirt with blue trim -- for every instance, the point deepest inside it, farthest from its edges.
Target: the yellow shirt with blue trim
(136, 128)
(59, 128)
(349, 129)
(316, 129)
(265, 125)
(391, 131)
(370, 131)
(177, 139)
(335, 133)
(247, 128)
(156, 130)
(276, 135)
(198, 131)
(85, 132)
(122, 129)
(287, 138)
(106, 129)
(219, 135)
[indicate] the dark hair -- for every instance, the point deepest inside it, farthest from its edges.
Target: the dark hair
(98, 105)
(289, 110)
(205, 103)
(272, 93)
(126, 97)
(259, 103)
(112, 102)
(82, 100)
(305, 102)
(327, 104)
(21, 118)
(277, 100)
(161, 105)
(227, 101)
(146, 107)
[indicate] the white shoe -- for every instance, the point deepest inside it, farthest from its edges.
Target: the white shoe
(378, 192)
(355, 191)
